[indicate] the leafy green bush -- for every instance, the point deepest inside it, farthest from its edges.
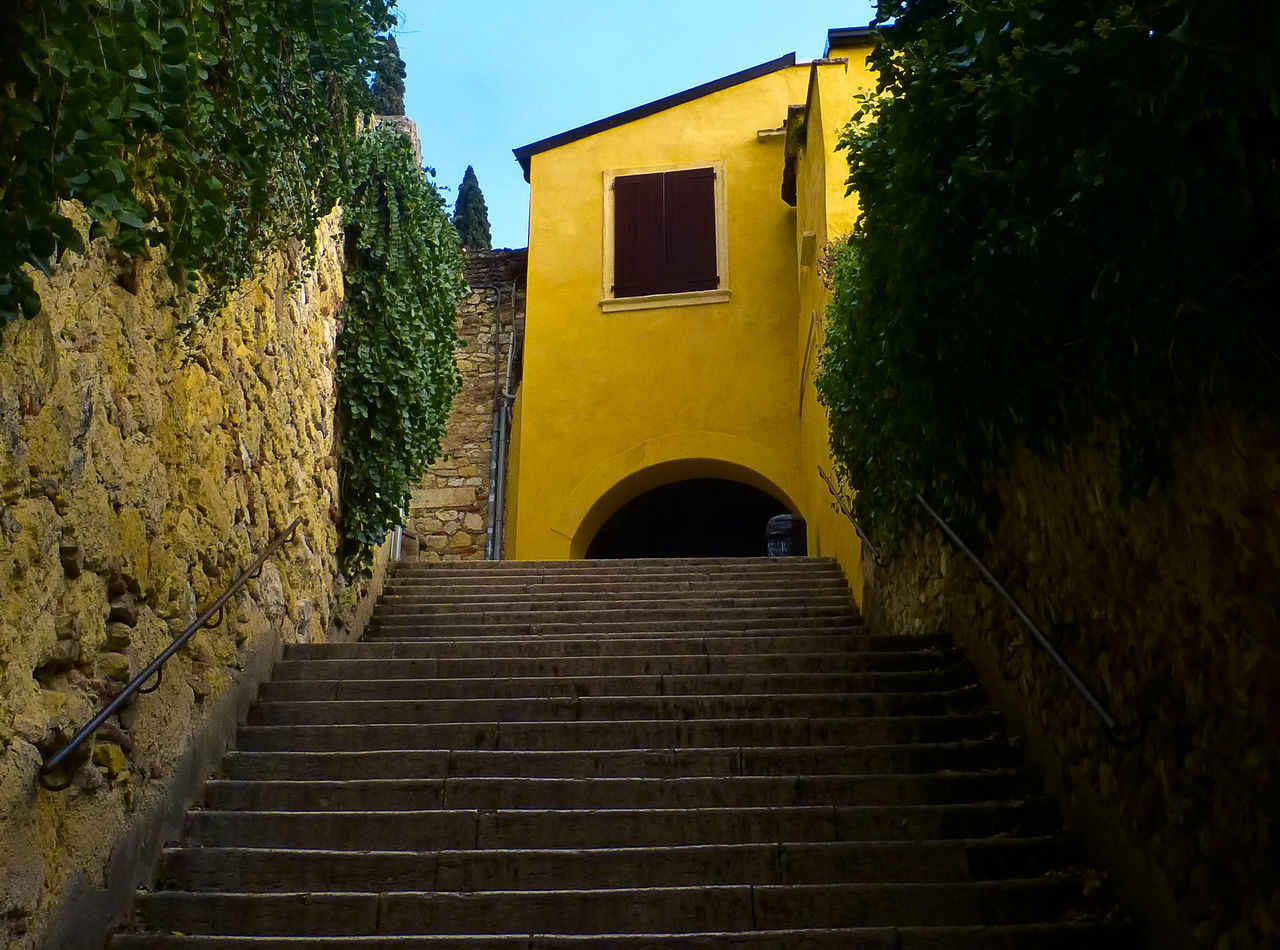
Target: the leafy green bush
(396, 371)
(1070, 212)
(214, 128)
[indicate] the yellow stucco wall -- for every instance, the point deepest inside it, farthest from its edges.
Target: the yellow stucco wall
(825, 214)
(616, 403)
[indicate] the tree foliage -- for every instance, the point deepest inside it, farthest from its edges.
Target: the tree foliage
(388, 82)
(213, 128)
(470, 216)
(1070, 212)
(396, 371)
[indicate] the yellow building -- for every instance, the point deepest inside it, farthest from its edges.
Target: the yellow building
(674, 304)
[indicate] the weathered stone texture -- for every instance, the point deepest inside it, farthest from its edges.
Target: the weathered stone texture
(139, 475)
(1170, 608)
(449, 511)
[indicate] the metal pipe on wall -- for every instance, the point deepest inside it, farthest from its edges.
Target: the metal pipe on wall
(507, 397)
(489, 545)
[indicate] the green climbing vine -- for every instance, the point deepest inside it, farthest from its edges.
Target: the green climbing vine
(1070, 213)
(396, 371)
(211, 128)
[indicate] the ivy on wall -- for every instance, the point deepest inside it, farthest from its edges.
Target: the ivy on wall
(396, 371)
(1070, 212)
(212, 128)
(217, 129)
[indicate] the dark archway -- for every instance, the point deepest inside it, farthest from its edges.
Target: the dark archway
(698, 517)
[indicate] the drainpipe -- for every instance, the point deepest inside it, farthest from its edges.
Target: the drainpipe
(489, 546)
(508, 397)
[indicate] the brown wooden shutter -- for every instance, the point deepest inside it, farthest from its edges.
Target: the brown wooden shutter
(690, 228)
(637, 235)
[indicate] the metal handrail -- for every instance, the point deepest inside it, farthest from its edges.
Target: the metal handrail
(1120, 735)
(844, 509)
(154, 668)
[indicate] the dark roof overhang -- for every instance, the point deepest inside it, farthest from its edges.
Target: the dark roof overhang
(850, 36)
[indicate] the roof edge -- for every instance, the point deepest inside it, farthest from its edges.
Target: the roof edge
(525, 153)
(851, 36)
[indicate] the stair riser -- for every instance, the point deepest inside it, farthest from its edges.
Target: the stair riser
(459, 593)
(610, 828)
(399, 689)
(622, 580)
(615, 793)
(609, 708)
(556, 624)
(384, 657)
(1061, 936)
(629, 567)
(256, 870)
(400, 650)
(431, 604)
(821, 760)
(561, 666)
(657, 734)
(731, 907)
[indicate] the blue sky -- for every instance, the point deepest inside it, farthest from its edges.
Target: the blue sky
(486, 76)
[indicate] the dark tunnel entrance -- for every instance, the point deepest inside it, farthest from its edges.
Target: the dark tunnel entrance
(699, 517)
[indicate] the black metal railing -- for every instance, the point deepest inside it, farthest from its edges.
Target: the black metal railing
(155, 668)
(844, 510)
(1122, 735)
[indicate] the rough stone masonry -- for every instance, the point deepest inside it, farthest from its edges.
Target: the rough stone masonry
(449, 511)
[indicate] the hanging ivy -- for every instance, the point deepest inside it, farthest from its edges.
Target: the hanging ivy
(1070, 212)
(212, 128)
(396, 370)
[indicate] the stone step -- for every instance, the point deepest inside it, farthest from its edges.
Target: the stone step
(611, 910)
(633, 734)
(622, 763)
(404, 614)
(464, 829)
(507, 792)
(552, 686)
(408, 627)
(534, 663)
(1065, 935)
(784, 595)
(639, 565)
(768, 575)
(612, 708)
(587, 586)
(875, 652)
(275, 870)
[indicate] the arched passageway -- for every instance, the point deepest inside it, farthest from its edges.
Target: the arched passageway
(697, 517)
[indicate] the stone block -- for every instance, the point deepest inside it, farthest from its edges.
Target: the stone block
(114, 666)
(453, 497)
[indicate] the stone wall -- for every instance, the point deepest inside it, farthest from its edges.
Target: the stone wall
(449, 511)
(139, 475)
(1170, 608)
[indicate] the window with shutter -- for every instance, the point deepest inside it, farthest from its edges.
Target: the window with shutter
(664, 233)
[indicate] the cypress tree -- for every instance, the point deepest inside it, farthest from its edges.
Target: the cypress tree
(470, 216)
(388, 81)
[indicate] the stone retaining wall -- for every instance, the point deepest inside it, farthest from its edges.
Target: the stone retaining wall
(1171, 609)
(139, 475)
(449, 511)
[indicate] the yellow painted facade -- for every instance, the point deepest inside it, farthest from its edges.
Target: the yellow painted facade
(622, 396)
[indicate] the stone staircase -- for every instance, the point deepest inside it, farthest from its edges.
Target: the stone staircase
(625, 754)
